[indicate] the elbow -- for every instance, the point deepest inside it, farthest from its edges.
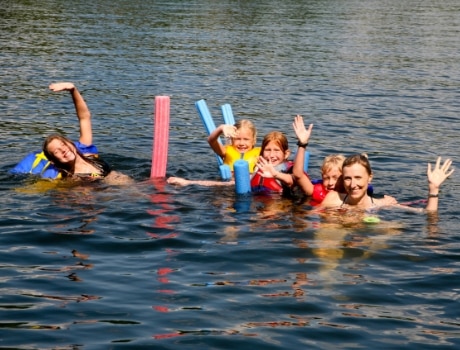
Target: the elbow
(297, 176)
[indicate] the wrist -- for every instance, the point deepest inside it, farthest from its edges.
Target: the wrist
(433, 194)
(302, 144)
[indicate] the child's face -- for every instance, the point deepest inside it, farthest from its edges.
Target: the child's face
(244, 140)
(274, 154)
(331, 178)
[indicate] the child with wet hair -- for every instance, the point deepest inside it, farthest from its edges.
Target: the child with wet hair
(331, 169)
(243, 137)
(273, 172)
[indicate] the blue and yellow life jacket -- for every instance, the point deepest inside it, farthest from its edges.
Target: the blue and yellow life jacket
(232, 155)
(36, 163)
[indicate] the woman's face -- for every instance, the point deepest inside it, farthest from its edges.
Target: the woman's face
(356, 180)
(274, 154)
(61, 151)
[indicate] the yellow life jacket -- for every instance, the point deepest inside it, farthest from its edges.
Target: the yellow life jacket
(232, 155)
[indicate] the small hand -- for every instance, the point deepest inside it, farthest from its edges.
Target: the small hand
(388, 200)
(177, 181)
(439, 174)
(229, 130)
(303, 135)
(266, 169)
(61, 86)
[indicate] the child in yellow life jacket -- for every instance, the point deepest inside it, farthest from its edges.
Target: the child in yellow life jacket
(243, 136)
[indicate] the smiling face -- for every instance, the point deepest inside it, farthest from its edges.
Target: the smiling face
(274, 153)
(60, 151)
(244, 140)
(356, 179)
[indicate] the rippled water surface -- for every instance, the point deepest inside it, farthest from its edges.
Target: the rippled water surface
(164, 267)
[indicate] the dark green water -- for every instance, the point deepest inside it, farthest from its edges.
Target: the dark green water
(156, 266)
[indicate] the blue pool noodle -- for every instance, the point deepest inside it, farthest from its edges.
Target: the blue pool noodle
(208, 122)
(306, 161)
(228, 114)
(242, 178)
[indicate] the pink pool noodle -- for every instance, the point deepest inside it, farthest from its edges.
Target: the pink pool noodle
(160, 137)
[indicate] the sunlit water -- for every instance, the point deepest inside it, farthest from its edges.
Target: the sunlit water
(158, 266)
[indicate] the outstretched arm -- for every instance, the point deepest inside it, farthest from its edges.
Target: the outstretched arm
(83, 113)
(208, 183)
(213, 138)
(435, 178)
(303, 135)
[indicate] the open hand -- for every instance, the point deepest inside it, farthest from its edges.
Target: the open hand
(62, 86)
(265, 168)
(229, 131)
(439, 174)
(303, 134)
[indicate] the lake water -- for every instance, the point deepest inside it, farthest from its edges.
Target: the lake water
(164, 267)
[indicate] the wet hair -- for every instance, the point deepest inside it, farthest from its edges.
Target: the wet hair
(332, 160)
(68, 169)
(278, 137)
(358, 159)
(244, 123)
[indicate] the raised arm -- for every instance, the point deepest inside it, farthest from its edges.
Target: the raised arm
(213, 138)
(303, 135)
(436, 177)
(82, 110)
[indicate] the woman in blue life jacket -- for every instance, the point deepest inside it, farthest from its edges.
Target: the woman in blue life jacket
(66, 159)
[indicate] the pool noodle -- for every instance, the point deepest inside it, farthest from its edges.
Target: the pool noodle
(228, 114)
(208, 122)
(242, 178)
(160, 137)
(306, 161)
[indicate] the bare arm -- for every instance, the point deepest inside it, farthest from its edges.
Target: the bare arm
(435, 178)
(213, 138)
(82, 110)
(303, 135)
(208, 183)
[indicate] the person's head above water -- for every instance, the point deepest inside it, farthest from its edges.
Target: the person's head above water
(331, 171)
(245, 136)
(357, 175)
(60, 151)
(275, 148)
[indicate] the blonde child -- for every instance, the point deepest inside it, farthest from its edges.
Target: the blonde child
(243, 137)
(331, 169)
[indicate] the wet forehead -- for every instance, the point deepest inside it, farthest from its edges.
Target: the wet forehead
(355, 170)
